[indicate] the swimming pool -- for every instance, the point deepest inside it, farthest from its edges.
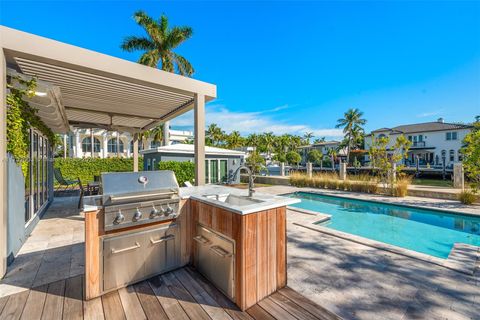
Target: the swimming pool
(427, 231)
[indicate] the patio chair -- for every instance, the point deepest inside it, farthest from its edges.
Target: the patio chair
(62, 181)
(82, 192)
(188, 184)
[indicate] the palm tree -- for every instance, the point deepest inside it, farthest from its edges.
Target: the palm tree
(156, 133)
(268, 140)
(333, 154)
(307, 136)
(253, 140)
(215, 134)
(351, 121)
(234, 140)
(319, 140)
(158, 46)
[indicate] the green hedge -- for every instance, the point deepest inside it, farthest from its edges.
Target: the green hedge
(184, 171)
(85, 169)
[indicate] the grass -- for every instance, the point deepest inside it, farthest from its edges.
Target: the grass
(433, 182)
(467, 197)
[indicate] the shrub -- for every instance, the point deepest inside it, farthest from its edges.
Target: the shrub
(184, 170)
(86, 168)
(400, 188)
(467, 197)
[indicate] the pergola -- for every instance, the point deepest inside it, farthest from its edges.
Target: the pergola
(93, 90)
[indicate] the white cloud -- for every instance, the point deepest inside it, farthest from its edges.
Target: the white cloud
(430, 114)
(254, 122)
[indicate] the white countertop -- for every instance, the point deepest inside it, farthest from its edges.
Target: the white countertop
(264, 201)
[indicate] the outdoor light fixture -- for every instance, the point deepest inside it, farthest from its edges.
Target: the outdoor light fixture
(38, 93)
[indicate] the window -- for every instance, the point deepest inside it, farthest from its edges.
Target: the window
(112, 145)
(452, 135)
(460, 156)
(87, 145)
(148, 165)
(452, 155)
(140, 146)
(37, 175)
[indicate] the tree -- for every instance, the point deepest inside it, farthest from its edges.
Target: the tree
(255, 162)
(307, 136)
(268, 140)
(351, 123)
(234, 140)
(333, 155)
(253, 140)
(159, 44)
(156, 133)
(293, 157)
(319, 140)
(471, 153)
(383, 157)
(315, 156)
(214, 135)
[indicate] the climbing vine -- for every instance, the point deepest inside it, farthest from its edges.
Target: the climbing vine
(20, 117)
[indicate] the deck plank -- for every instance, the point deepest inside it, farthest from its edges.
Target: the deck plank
(93, 309)
(150, 304)
(291, 307)
(275, 310)
(258, 313)
(211, 307)
(188, 303)
(308, 305)
(35, 302)
(53, 308)
(131, 305)
(170, 304)
(229, 307)
(14, 306)
(3, 302)
(112, 306)
(73, 304)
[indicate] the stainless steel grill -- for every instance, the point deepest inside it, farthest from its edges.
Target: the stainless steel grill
(136, 198)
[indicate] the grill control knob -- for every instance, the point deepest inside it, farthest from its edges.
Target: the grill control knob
(137, 215)
(169, 209)
(119, 218)
(154, 212)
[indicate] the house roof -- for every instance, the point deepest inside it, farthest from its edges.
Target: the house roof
(324, 143)
(98, 90)
(184, 148)
(424, 127)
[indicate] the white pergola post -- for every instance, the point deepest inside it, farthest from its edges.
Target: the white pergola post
(92, 141)
(166, 133)
(3, 165)
(199, 132)
(135, 152)
(118, 144)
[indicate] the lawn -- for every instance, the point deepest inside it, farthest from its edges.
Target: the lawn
(433, 182)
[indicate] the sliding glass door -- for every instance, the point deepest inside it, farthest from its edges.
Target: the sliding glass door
(216, 170)
(37, 175)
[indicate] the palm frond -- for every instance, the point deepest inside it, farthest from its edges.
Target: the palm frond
(167, 62)
(150, 58)
(150, 25)
(184, 67)
(133, 43)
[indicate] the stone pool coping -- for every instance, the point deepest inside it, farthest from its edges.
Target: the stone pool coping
(462, 257)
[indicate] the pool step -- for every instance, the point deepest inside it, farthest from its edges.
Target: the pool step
(463, 257)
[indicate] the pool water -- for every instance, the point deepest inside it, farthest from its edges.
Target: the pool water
(426, 231)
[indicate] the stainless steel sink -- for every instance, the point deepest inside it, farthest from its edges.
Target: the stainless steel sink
(233, 199)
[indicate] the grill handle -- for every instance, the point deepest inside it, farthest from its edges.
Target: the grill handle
(114, 199)
(136, 246)
(162, 239)
(221, 252)
(202, 240)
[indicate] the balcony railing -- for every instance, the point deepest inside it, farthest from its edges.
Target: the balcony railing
(418, 144)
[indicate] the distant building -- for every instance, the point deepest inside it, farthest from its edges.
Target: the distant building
(432, 142)
(107, 145)
(219, 163)
(323, 147)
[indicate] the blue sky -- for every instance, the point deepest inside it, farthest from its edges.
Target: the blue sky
(297, 66)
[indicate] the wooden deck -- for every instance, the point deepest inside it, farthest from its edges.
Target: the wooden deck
(180, 294)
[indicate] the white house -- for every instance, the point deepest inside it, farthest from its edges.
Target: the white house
(323, 147)
(112, 143)
(432, 142)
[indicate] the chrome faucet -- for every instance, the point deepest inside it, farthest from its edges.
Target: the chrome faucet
(250, 179)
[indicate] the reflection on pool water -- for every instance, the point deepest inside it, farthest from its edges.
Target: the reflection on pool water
(427, 231)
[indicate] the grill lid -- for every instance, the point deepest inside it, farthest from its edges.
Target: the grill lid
(143, 182)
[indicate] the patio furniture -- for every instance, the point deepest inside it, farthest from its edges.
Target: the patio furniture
(93, 188)
(62, 181)
(82, 192)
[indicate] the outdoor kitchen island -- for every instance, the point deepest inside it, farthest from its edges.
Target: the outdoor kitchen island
(235, 241)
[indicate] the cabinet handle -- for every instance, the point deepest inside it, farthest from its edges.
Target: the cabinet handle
(221, 252)
(136, 246)
(163, 239)
(201, 240)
